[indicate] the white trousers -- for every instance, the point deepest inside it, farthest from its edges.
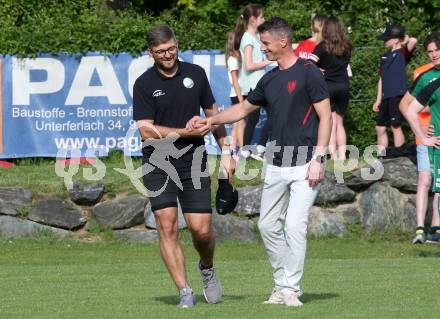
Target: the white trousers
(285, 204)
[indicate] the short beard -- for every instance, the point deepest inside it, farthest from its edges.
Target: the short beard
(164, 68)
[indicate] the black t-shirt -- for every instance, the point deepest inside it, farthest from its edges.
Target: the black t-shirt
(172, 101)
(291, 93)
(335, 67)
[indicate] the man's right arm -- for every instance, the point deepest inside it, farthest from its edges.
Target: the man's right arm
(411, 115)
(234, 113)
(231, 115)
(148, 129)
(405, 102)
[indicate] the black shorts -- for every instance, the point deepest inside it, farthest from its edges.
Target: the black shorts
(389, 113)
(339, 95)
(195, 195)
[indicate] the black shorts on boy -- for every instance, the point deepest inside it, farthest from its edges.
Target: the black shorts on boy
(389, 113)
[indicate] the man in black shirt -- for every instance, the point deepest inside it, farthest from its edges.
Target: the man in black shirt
(165, 97)
(301, 124)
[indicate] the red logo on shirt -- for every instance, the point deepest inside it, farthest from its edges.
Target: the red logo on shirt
(291, 85)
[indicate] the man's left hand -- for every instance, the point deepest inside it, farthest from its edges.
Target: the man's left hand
(315, 173)
(227, 166)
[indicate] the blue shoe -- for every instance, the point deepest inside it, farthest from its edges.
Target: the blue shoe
(433, 238)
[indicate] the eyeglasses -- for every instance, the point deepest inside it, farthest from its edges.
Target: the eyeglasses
(170, 50)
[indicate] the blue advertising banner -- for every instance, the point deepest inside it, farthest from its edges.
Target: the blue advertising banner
(73, 102)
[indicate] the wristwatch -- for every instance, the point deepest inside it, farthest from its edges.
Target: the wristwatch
(319, 158)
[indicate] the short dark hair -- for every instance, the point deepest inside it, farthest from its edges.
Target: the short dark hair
(159, 35)
(433, 37)
(277, 26)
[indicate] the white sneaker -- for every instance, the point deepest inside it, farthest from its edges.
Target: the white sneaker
(291, 300)
(276, 298)
(261, 149)
(244, 154)
(419, 238)
(258, 157)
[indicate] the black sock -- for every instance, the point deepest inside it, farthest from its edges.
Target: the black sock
(203, 267)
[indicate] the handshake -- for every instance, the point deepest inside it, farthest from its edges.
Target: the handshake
(198, 126)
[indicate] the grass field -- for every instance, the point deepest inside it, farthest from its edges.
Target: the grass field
(344, 278)
(38, 175)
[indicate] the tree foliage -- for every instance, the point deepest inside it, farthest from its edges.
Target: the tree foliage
(30, 27)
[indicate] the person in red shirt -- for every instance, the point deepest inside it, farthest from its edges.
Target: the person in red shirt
(304, 48)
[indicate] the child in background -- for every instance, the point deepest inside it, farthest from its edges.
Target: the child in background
(392, 84)
(252, 67)
(332, 56)
(306, 47)
(233, 63)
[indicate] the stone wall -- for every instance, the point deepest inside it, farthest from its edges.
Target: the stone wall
(377, 205)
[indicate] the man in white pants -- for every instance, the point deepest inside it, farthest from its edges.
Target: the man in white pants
(301, 125)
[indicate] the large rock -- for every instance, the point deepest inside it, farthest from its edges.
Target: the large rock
(401, 173)
(120, 213)
(141, 236)
(384, 208)
(11, 227)
(228, 227)
(331, 192)
(86, 194)
(356, 182)
(58, 213)
(350, 213)
(409, 217)
(323, 222)
(249, 200)
(13, 200)
(150, 221)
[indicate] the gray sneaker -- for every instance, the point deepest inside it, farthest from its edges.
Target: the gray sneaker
(187, 298)
(212, 289)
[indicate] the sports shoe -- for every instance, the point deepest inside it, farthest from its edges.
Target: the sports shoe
(433, 238)
(259, 157)
(261, 149)
(419, 238)
(259, 154)
(187, 298)
(212, 289)
(244, 154)
(291, 300)
(276, 298)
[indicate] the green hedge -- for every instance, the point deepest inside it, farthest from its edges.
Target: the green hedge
(29, 27)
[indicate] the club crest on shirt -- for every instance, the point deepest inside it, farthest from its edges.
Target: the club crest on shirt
(291, 85)
(158, 93)
(188, 83)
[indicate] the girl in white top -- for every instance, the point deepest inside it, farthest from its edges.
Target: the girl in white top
(252, 59)
(233, 63)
